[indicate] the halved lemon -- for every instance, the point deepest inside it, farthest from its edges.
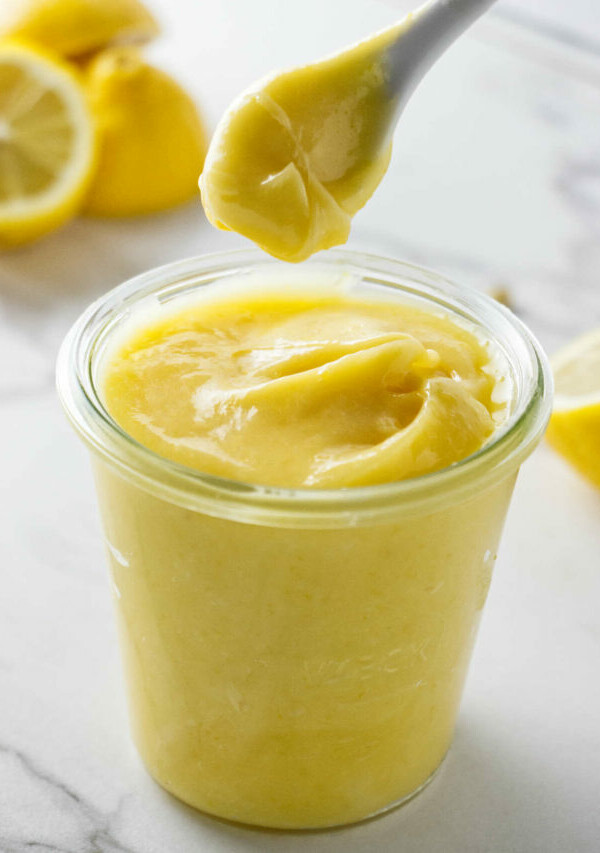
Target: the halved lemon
(77, 27)
(574, 429)
(47, 143)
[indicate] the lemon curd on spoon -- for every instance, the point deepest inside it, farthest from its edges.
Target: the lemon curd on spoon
(300, 152)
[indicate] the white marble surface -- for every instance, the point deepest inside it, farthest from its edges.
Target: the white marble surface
(495, 181)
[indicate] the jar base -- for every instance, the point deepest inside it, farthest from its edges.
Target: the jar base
(298, 830)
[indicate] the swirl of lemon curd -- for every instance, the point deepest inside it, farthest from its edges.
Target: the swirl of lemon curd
(322, 390)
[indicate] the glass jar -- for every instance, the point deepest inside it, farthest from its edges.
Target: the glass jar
(295, 658)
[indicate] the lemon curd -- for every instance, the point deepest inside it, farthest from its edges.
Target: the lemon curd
(306, 387)
(297, 155)
(283, 673)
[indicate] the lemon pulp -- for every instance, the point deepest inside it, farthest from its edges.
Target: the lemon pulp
(46, 143)
(35, 141)
(574, 428)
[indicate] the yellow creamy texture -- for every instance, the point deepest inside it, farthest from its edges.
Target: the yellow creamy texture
(296, 678)
(321, 390)
(297, 156)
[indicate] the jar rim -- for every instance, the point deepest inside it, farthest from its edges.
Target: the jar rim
(305, 507)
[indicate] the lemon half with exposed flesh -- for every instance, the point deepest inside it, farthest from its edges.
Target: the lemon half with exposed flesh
(77, 27)
(574, 429)
(47, 143)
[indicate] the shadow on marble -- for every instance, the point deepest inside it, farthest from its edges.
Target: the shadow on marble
(90, 256)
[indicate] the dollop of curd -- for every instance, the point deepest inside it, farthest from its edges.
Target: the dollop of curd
(319, 390)
(297, 155)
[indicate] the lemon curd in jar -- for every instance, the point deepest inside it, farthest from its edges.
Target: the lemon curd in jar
(303, 477)
(306, 387)
(300, 677)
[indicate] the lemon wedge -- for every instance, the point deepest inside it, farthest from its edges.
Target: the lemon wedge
(574, 429)
(46, 144)
(76, 27)
(152, 141)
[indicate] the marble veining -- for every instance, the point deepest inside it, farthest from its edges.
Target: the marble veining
(91, 829)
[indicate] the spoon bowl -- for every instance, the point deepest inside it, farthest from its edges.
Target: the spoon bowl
(300, 152)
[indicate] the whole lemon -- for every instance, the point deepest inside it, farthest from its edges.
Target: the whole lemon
(152, 141)
(76, 27)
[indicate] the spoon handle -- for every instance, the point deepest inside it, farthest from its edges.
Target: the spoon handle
(424, 35)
